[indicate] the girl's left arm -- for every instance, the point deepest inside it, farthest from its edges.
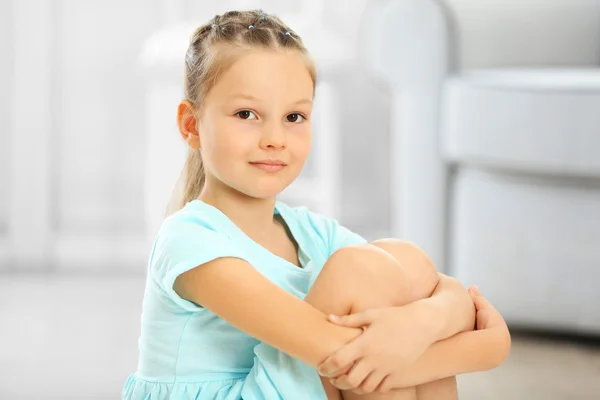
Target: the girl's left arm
(478, 350)
(445, 321)
(449, 310)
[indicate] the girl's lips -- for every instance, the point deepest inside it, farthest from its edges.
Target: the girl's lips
(268, 166)
(269, 162)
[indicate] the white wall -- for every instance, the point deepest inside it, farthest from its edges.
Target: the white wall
(5, 106)
(72, 180)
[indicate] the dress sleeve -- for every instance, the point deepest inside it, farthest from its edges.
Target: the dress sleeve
(334, 235)
(182, 245)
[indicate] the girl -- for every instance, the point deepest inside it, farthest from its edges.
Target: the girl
(242, 289)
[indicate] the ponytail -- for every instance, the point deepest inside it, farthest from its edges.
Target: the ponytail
(190, 182)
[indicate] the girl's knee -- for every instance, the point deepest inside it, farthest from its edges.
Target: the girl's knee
(360, 255)
(366, 269)
(363, 260)
(420, 270)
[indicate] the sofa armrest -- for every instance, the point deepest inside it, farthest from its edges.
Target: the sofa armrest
(406, 46)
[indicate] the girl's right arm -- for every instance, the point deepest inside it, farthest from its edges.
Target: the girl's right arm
(239, 294)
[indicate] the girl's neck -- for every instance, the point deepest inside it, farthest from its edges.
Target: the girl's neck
(253, 216)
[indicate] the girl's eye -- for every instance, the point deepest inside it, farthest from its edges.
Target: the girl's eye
(246, 114)
(295, 117)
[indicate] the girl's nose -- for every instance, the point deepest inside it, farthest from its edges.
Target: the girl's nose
(274, 137)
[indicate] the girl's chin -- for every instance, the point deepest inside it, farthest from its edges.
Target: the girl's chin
(266, 191)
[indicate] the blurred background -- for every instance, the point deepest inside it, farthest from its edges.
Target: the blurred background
(470, 127)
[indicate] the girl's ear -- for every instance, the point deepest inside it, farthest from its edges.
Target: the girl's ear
(188, 127)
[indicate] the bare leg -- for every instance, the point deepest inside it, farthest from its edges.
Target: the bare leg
(357, 278)
(421, 284)
(441, 389)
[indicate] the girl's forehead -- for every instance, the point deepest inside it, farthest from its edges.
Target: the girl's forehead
(261, 73)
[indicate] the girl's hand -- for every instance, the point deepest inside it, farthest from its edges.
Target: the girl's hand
(487, 315)
(394, 338)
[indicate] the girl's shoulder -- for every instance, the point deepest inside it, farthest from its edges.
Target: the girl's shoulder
(188, 238)
(195, 214)
(197, 227)
(331, 234)
(306, 218)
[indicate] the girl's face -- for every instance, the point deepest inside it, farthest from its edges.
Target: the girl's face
(254, 126)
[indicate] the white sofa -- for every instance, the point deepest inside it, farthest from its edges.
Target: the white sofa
(496, 147)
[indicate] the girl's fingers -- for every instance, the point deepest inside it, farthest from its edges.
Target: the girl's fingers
(342, 358)
(478, 299)
(356, 320)
(355, 377)
(371, 383)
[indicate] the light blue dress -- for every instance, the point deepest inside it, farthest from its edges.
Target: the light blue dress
(187, 352)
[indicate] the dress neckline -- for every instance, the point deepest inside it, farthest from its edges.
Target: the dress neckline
(280, 209)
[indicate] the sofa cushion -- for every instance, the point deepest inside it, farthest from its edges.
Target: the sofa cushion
(537, 120)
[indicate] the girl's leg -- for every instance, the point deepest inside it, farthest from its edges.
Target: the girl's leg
(354, 279)
(381, 274)
(441, 389)
(421, 283)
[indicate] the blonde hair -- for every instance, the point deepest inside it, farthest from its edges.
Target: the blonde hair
(213, 48)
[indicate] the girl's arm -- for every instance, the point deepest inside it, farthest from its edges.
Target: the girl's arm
(446, 297)
(450, 309)
(466, 352)
(236, 292)
(438, 317)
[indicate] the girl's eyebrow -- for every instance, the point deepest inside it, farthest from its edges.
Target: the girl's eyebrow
(304, 101)
(243, 96)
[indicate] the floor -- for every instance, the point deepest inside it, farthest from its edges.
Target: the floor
(75, 337)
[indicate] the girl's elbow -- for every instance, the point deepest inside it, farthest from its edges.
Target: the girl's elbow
(502, 347)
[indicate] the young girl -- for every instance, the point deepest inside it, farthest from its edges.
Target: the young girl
(242, 290)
